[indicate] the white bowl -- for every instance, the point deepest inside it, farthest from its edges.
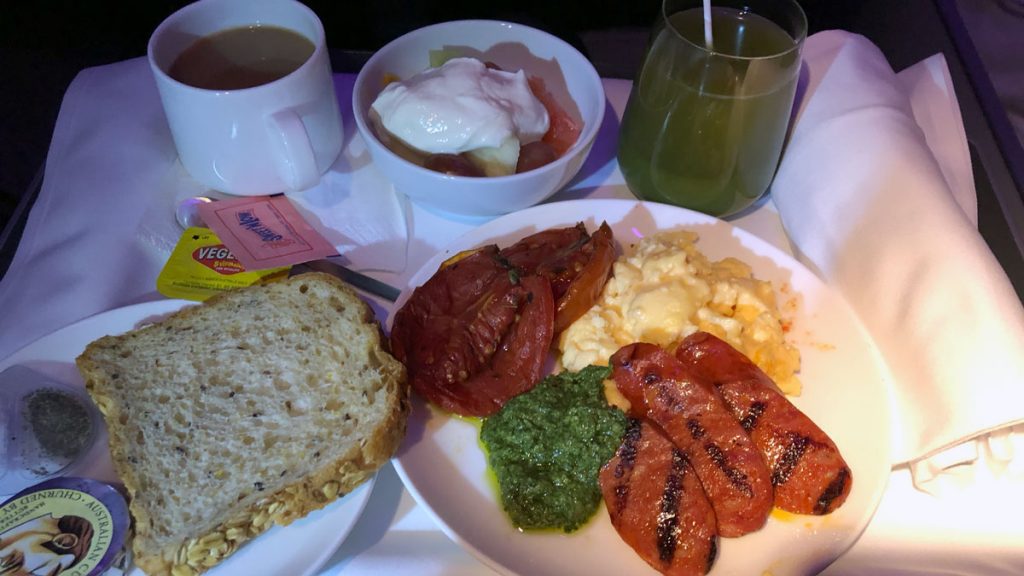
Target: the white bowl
(569, 76)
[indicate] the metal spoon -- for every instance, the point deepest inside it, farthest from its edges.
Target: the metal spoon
(187, 212)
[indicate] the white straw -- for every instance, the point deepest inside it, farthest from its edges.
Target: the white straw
(708, 40)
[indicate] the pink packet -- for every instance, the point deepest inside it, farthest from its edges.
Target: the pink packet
(265, 231)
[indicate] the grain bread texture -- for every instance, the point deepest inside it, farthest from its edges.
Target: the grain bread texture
(252, 409)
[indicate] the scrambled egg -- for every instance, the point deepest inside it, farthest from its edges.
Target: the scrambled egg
(665, 291)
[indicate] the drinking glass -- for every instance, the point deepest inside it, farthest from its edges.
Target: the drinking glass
(704, 126)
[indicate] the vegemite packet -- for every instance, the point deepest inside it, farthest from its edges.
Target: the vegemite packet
(201, 266)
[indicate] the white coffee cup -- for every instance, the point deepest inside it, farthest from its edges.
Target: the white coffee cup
(278, 136)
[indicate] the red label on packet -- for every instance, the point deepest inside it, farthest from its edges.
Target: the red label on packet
(218, 258)
(265, 231)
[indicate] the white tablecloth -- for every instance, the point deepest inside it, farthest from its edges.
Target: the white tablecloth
(81, 254)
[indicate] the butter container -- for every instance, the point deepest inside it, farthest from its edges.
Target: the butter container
(47, 428)
(65, 527)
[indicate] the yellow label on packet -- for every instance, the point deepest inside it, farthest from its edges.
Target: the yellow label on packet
(201, 266)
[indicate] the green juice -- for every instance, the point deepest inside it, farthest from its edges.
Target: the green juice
(704, 129)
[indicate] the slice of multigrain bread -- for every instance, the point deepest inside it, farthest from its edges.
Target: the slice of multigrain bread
(249, 410)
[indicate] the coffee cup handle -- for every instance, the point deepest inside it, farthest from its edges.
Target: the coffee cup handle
(296, 163)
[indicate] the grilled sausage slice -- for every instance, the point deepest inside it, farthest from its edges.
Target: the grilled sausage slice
(657, 504)
(809, 474)
(692, 414)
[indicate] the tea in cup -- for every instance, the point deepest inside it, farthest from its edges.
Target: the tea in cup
(247, 89)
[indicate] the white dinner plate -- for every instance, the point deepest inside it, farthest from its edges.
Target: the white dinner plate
(300, 548)
(845, 387)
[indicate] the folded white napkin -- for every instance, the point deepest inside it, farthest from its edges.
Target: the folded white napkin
(867, 205)
(354, 206)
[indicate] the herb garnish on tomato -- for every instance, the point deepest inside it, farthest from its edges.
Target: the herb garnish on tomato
(478, 332)
(475, 334)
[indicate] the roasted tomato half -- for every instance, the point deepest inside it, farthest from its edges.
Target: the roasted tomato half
(576, 263)
(475, 334)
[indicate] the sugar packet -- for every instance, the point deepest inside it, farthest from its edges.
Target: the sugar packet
(265, 231)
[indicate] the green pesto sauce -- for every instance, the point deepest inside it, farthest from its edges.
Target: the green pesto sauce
(546, 447)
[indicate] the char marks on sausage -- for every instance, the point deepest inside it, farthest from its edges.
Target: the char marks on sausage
(693, 416)
(657, 504)
(809, 474)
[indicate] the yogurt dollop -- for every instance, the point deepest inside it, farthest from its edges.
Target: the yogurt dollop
(462, 106)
